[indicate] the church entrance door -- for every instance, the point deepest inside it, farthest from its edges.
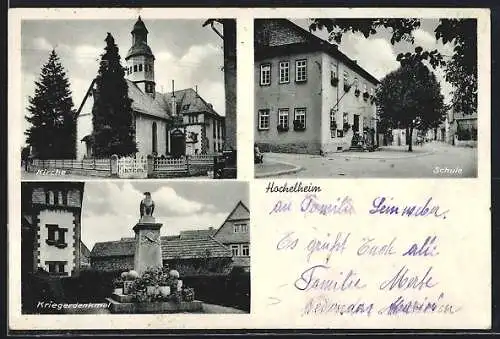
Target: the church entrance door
(177, 144)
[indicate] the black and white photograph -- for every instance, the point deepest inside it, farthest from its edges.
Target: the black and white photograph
(138, 98)
(121, 247)
(366, 97)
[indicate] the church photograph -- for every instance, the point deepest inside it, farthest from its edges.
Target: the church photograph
(130, 89)
(135, 247)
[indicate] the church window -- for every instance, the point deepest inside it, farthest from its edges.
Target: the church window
(49, 198)
(140, 67)
(135, 68)
(155, 137)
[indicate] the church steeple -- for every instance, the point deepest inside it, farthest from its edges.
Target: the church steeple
(140, 59)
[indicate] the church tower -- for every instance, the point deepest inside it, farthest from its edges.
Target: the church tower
(140, 60)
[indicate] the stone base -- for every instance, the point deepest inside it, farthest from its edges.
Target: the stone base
(122, 298)
(155, 307)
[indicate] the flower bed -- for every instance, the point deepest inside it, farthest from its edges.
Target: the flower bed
(156, 285)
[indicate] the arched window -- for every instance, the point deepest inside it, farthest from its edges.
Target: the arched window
(155, 139)
(140, 67)
(60, 198)
(49, 198)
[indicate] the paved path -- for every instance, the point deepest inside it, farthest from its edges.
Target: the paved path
(433, 160)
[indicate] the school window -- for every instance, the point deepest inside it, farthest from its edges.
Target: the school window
(263, 119)
(300, 116)
(265, 75)
(333, 123)
(284, 72)
(245, 249)
(235, 250)
(333, 71)
(300, 70)
(283, 117)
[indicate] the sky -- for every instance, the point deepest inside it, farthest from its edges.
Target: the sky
(377, 55)
(185, 51)
(111, 208)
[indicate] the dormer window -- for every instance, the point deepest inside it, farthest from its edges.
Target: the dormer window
(185, 107)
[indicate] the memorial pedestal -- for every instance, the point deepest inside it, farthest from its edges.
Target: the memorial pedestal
(195, 306)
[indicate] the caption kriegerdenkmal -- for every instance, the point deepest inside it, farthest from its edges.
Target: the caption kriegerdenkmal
(413, 286)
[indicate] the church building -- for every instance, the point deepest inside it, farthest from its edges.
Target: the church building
(170, 124)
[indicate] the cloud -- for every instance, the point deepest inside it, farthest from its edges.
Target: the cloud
(42, 44)
(379, 62)
(110, 210)
(424, 39)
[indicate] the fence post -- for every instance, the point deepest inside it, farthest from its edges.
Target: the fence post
(188, 165)
(113, 165)
(150, 165)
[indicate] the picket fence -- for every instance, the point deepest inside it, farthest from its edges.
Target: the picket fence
(128, 167)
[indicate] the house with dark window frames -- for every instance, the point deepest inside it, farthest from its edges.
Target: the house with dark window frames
(51, 228)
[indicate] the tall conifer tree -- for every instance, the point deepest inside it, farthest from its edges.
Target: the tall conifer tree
(112, 115)
(52, 134)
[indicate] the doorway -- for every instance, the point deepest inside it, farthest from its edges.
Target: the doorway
(177, 144)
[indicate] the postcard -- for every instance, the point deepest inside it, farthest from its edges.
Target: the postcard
(249, 168)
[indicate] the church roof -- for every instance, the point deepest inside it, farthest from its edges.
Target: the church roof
(140, 26)
(144, 103)
(139, 48)
(171, 248)
(187, 101)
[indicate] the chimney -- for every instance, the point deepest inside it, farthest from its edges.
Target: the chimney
(174, 106)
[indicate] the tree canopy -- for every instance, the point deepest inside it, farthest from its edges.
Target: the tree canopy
(52, 134)
(112, 115)
(460, 68)
(410, 97)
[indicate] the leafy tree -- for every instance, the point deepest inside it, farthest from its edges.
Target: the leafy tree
(112, 115)
(460, 69)
(52, 134)
(410, 97)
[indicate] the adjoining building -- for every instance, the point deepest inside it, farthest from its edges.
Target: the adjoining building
(309, 96)
(170, 124)
(193, 252)
(51, 228)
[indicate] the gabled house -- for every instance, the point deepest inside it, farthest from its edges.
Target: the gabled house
(309, 96)
(235, 234)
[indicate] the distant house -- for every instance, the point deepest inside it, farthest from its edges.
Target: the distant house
(193, 252)
(51, 228)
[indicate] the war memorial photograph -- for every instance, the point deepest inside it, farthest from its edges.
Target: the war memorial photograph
(113, 247)
(128, 98)
(328, 106)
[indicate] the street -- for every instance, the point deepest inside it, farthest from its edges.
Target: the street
(432, 160)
